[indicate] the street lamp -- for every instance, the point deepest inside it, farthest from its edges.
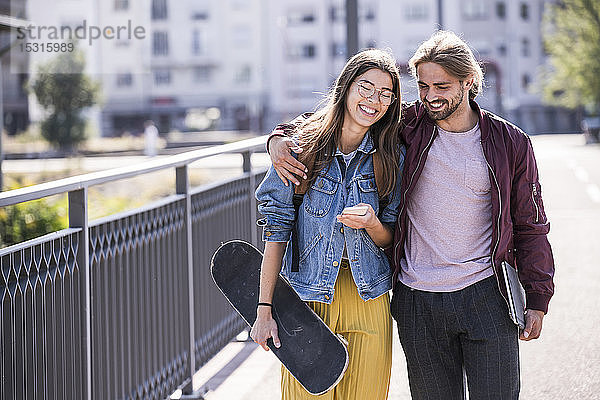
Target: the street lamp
(351, 27)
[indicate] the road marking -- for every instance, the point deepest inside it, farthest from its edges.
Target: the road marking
(594, 192)
(581, 174)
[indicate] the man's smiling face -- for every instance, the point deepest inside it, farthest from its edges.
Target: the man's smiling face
(441, 93)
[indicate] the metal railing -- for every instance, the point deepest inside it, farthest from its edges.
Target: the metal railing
(122, 307)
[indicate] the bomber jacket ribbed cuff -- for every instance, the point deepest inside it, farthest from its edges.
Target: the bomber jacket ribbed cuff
(538, 301)
(271, 136)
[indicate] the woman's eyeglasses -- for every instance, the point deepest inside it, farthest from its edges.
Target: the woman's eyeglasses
(366, 89)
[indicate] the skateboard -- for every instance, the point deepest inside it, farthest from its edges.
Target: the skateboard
(309, 350)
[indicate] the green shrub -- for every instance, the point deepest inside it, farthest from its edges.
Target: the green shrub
(29, 220)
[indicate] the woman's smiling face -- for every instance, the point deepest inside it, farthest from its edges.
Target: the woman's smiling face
(364, 112)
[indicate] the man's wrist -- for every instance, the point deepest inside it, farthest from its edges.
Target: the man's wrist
(271, 136)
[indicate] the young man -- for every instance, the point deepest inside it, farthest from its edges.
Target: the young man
(471, 200)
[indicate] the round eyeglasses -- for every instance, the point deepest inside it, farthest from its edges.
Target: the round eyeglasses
(366, 89)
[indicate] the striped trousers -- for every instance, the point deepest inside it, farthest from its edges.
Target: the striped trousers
(447, 336)
(367, 326)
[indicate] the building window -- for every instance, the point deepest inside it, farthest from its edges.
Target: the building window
(501, 10)
(524, 11)
(160, 44)
(202, 74)
(122, 43)
(338, 49)
(300, 17)
(415, 11)
(200, 16)
(545, 50)
(525, 81)
(502, 49)
(197, 42)
(124, 80)
(475, 9)
(370, 15)
(162, 76)
(371, 44)
(525, 48)
(302, 51)
(121, 5)
(337, 14)
(243, 74)
(481, 47)
(159, 9)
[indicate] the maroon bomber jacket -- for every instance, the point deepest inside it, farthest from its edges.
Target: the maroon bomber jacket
(520, 225)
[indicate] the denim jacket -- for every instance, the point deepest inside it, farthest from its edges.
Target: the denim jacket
(321, 237)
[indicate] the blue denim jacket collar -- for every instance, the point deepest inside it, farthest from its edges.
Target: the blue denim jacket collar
(366, 146)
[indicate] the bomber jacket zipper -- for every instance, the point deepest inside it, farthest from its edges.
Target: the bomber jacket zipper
(537, 209)
(408, 188)
(497, 222)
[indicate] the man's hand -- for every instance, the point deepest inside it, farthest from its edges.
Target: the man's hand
(286, 166)
(533, 325)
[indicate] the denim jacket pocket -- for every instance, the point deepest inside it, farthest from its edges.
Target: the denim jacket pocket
(368, 242)
(368, 191)
(308, 246)
(319, 198)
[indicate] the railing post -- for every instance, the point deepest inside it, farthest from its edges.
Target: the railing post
(247, 164)
(182, 186)
(78, 218)
(247, 167)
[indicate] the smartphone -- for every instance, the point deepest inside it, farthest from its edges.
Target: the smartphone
(355, 210)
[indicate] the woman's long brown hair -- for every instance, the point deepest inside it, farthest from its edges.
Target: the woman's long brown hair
(320, 134)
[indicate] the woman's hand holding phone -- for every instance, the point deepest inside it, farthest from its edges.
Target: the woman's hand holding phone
(360, 216)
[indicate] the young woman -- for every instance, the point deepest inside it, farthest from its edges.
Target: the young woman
(342, 271)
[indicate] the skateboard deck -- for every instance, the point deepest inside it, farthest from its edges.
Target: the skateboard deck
(309, 350)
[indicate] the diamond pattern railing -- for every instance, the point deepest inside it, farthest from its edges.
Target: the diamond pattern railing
(41, 308)
(218, 214)
(138, 281)
(123, 307)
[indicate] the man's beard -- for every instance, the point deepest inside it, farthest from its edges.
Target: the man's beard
(451, 106)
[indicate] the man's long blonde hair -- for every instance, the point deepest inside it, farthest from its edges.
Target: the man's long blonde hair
(452, 54)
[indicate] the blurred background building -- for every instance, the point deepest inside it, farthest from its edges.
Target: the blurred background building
(249, 64)
(14, 97)
(309, 51)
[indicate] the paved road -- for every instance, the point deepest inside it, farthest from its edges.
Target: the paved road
(565, 362)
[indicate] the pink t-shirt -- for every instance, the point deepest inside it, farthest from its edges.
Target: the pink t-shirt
(448, 241)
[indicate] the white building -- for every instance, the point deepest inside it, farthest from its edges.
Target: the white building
(260, 62)
(13, 72)
(187, 56)
(505, 36)
(197, 55)
(308, 50)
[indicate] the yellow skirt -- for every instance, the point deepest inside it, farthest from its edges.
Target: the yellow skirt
(367, 326)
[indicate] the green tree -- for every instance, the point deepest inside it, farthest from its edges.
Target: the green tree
(64, 91)
(572, 40)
